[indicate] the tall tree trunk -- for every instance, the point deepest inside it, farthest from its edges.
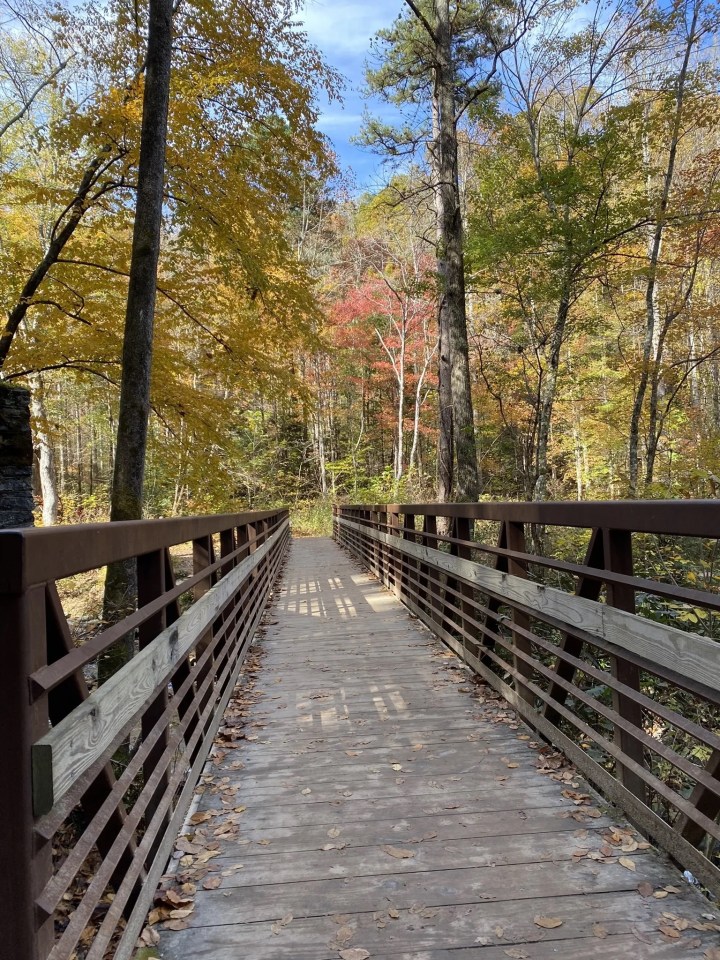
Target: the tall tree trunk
(129, 474)
(651, 353)
(45, 452)
(547, 398)
(445, 435)
(451, 264)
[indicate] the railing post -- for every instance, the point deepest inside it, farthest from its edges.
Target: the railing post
(515, 540)
(203, 556)
(464, 528)
(589, 589)
(617, 546)
(376, 546)
(393, 531)
(410, 562)
(383, 550)
(27, 859)
(151, 584)
(428, 540)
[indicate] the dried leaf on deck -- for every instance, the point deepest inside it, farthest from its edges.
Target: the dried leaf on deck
(548, 923)
(279, 924)
(397, 852)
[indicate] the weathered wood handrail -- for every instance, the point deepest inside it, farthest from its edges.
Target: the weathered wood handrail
(574, 658)
(79, 828)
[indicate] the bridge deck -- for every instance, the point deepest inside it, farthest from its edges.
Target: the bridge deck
(381, 804)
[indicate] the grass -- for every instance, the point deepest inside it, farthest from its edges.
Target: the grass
(311, 518)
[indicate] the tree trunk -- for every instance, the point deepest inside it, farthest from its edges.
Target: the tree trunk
(456, 443)
(45, 453)
(651, 354)
(129, 474)
(451, 264)
(547, 398)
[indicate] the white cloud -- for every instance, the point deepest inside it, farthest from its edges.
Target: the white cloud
(330, 121)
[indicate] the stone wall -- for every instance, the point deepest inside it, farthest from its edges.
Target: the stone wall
(16, 458)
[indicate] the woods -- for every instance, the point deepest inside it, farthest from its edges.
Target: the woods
(523, 305)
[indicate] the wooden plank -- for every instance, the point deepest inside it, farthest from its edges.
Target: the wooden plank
(687, 654)
(403, 829)
(83, 735)
(235, 907)
(490, 926)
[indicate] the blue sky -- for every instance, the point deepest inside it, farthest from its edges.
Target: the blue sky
(342, 29)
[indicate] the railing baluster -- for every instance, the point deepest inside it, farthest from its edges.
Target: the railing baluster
(151, 584)
(515, 540)
(619, 558)
(572, 645)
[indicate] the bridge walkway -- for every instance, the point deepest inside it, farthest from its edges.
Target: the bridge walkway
(368, 799)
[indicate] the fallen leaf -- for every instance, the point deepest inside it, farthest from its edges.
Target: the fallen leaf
(517, 953)
(627, 863)
(355, 953)
(207, 855)
(712, 953)
(344, 935)
(306, 791)
(394, 913)
(279, 924)
(660, 894)
(211, 883)
(548, 923)
(201, 817)
(397, 766)
(645, 889)
(499, 932)
(599, 931)
(175, 925)
(334, 832)
(181, 914)
(670, 932)
(397, 852)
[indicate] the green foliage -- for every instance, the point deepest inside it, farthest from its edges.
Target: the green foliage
(311, 518)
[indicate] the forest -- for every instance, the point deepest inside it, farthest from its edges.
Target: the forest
(524, 307)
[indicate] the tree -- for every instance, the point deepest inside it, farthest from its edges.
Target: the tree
(692, 22)
(127, 492)
(573, 196)
(437, 61)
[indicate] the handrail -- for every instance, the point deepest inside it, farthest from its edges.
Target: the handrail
(573, 657)
(167, 701)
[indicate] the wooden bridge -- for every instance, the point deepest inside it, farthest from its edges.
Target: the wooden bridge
(408, 765)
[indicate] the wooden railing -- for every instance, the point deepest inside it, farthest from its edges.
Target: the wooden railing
(86, 837)
(592, 652)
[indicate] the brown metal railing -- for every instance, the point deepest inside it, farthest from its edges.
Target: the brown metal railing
(85, 837)
(593, 653)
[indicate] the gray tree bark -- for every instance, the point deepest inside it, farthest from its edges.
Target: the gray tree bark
(45, 453)
(129, 473)
(454, 358)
